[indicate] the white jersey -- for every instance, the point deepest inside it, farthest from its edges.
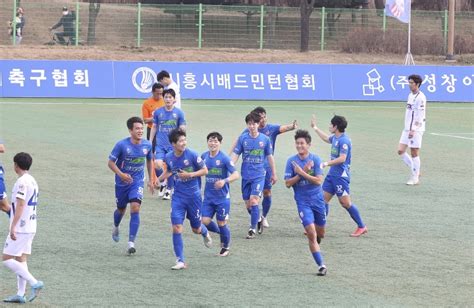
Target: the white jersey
(415, 114)
(26, 189)
(173, 85)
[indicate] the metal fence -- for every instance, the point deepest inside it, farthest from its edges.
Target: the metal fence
(207, 26)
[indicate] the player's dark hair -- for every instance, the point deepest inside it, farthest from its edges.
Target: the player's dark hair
(416, 79)
(252, 117)
(175, 134)
(161, 75)
(215, 135)
(259, 110)
(340, 122)
(156, 86)
(132, 121)
(169, 91)
(23, 160)
(301, 133)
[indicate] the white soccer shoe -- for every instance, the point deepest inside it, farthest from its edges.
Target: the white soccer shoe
(167, 195)
(179, 265)
(131, 248)
(265, 222)
(207, 240)
(414, 180)
(161, 191)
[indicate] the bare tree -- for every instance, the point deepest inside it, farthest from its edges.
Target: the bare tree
(94, 8)
(306, 8)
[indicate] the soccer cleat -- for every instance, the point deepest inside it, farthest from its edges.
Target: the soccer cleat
(131, 248)
(260, 226)
(322, 270)
(116, 234)
(265, 222)
(35, 289)
(162, 191)
(15, 299)
(414, 180)
(318, 239)
(224, 252)
(179, 265)
(207, 240)
(167, 195)
(251, 234)
(359, 231)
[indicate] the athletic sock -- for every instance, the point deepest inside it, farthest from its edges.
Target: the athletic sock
(416, 166)
(225, 236)
(354, 212)
(266, 205)
(134, 225)
(254, 216)
(213, 227)
(318, 258)
(20, 270)
(117, 217)
(178, 246)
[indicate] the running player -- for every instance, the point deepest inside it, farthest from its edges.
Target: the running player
(186, 167)
(412, 134)
(339, 176)
(127, 161)
(23, 225)
(217, 190)
(304, 173)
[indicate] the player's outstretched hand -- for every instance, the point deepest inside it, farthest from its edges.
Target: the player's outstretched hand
(313, 121)
(295, 124)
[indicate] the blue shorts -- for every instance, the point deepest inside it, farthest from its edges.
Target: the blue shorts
(268, 177)
(253, 187)
(221, 209)
(189, 208)
(336, 185)
(128, 193)
(3, 190)
(312, 212)
(161, 151)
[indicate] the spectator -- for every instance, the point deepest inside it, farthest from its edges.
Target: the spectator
(19, 24)
(67, 21)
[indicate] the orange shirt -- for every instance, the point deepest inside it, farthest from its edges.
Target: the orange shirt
(149, 106)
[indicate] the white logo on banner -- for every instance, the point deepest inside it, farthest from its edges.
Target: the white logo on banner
(143, 79)
(374, 83)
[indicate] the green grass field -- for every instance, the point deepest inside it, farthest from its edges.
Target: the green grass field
(418, 252)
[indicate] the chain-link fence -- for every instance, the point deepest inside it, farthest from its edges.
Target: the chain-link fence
(259, 27)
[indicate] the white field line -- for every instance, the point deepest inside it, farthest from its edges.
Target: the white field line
(452, 136)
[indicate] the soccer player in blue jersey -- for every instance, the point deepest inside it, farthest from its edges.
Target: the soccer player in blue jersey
(186, 167)
(4, 205)
(303, 172)
(221, 172)
(255, 148)
(339, 176)
(165, 120)
(127, 161)
(271, 131)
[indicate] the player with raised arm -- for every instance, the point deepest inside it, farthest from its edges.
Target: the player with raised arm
(303, 172)
(4, 205)
(128, 160)
(338, 178)
(254, 148)
(165, 119)
(221, 172)
(186, 167)
(412, 134)
(23, 225)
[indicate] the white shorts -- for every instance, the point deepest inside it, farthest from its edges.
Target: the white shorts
(414, 142)
(21, 246)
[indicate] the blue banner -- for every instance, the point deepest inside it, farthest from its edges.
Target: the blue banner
(108, 79)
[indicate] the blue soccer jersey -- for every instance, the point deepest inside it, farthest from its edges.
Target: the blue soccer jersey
(165, 122)
(2, 171)
(271, 131)
(254, 152)
(340, 145)
(131, 158)
(304, 190)
(189, 161)
(219, 167)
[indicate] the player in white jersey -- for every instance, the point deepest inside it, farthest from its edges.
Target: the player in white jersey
(164, 78)
(4, 205)
(412, 134)
(22, 229)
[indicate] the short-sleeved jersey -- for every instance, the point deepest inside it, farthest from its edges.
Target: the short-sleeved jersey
(149, 106)
(131, 158)
(415, 112)
(339, 146)
(219, 167)
(189, 161)
(165, 122)
(173, 85)
(254, 152)
(25, 188)
(304, 190)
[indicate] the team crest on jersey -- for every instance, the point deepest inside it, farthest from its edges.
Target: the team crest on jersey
(160, 115)
(344, 146)
(409, 106)
(145, 151)
(21, 187)
(267, 133)
(128, 150)
(260, 144)
(245, 143)
(199, 160)
(218, 162)
(232, 164)
(175, 115)
(337, 143)
(186, 162)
